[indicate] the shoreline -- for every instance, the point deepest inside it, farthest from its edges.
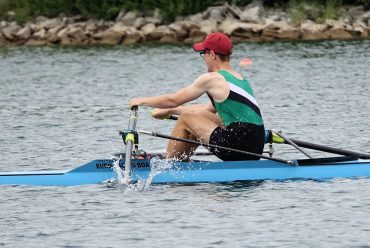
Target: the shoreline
(250, 23)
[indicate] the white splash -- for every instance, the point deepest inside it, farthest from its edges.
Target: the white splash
(121, 178)
(157, 166)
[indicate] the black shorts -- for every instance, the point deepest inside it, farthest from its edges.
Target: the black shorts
(238, 135)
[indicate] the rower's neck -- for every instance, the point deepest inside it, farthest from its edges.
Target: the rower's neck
(222, 66)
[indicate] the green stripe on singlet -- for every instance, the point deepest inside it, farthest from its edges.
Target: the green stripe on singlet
(236, 111)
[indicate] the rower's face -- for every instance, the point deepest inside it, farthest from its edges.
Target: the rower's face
(209, 58)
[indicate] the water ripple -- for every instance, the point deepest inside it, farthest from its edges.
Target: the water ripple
(61, 107)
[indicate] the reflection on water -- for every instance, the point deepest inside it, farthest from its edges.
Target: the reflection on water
(238, 186)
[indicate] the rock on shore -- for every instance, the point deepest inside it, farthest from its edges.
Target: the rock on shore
(249, 23)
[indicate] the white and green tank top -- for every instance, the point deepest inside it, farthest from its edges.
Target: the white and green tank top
(240, 105)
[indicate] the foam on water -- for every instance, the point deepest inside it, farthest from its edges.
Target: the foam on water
(121, 177)
(157, 166)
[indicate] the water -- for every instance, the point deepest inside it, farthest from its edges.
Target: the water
(62, 107)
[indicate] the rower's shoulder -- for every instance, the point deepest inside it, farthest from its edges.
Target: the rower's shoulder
(210, 76)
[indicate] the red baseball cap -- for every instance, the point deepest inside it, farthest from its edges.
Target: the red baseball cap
(217, 42)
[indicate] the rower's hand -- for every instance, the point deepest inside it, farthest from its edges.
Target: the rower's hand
(133, 102)
(160, 113)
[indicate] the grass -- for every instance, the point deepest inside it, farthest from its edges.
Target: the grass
(332, 9)
(318, 11)
(297, 10)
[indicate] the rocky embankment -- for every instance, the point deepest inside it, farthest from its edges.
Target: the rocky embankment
(249, 23)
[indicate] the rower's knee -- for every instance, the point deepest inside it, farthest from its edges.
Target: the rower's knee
(187, 118)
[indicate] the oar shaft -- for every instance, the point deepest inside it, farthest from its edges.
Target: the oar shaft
(316, 147)
(330, 149)
(130, 143)
(215, 146)
(292, 143)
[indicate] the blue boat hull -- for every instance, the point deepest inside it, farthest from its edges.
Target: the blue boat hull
(99, 171)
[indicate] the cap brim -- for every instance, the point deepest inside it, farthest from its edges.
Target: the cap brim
(199, 47)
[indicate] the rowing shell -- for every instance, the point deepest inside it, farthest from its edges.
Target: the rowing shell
(99, 171)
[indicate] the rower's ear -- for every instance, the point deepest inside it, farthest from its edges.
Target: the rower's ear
(213, 54)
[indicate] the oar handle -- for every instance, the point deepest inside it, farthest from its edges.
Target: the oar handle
(173, 117)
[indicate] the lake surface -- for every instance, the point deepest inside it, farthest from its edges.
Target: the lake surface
(62, 107)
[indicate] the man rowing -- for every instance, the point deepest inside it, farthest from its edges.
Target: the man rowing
(231, 119)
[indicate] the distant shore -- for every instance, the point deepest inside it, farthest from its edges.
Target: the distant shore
(250, 23)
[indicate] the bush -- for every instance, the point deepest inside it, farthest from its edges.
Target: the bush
(297, 10)
(366, 3)
(332, 9)
(319, 10)
(169, 9)
(101, 9)
(28, 9)
(98, 9)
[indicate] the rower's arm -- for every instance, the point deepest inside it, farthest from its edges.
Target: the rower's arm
(180, 109)
(165, 113)
(186, 94)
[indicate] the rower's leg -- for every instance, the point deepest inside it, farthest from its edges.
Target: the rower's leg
(195, 125)
(188, 149)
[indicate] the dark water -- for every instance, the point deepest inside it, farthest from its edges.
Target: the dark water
(61, 107)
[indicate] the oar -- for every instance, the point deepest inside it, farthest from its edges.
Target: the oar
(292, 143)
(154, 134)
(330, 149)
(130, 143)
(315, 146)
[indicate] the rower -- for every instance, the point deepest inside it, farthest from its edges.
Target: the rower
(231, 119)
